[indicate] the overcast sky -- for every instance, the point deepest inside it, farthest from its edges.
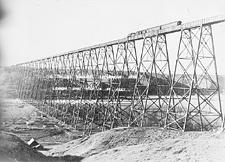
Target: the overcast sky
(32, 29)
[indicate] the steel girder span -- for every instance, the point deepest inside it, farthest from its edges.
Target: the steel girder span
(114, 84)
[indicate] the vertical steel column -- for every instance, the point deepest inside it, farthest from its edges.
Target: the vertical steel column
(152, 84)
(133, 73)
(90, 93)
(108, 89)
(95, 119)
(162, 72)
(24, 82)
(145, 77)
(118, 88)
(197, 105)
(32, 82)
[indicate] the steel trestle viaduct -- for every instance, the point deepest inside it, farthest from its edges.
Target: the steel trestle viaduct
(114, 85)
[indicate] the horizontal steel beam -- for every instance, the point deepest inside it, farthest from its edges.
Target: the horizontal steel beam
(141, 35)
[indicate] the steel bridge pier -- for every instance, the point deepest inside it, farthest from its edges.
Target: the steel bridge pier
(199, 106)
(123, 84)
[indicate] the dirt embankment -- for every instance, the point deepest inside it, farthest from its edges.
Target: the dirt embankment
(118, 137)
(146, 144)
(190, 147)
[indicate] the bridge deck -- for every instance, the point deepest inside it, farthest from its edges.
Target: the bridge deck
(151, 33)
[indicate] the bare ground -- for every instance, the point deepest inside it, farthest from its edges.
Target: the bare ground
(146, 144)
(188, 147)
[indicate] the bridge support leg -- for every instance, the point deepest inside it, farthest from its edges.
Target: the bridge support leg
(153, 81)
(196, 106)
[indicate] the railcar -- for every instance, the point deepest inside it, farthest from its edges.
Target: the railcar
(172, 24)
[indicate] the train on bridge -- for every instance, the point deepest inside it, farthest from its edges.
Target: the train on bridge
(156, 28)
